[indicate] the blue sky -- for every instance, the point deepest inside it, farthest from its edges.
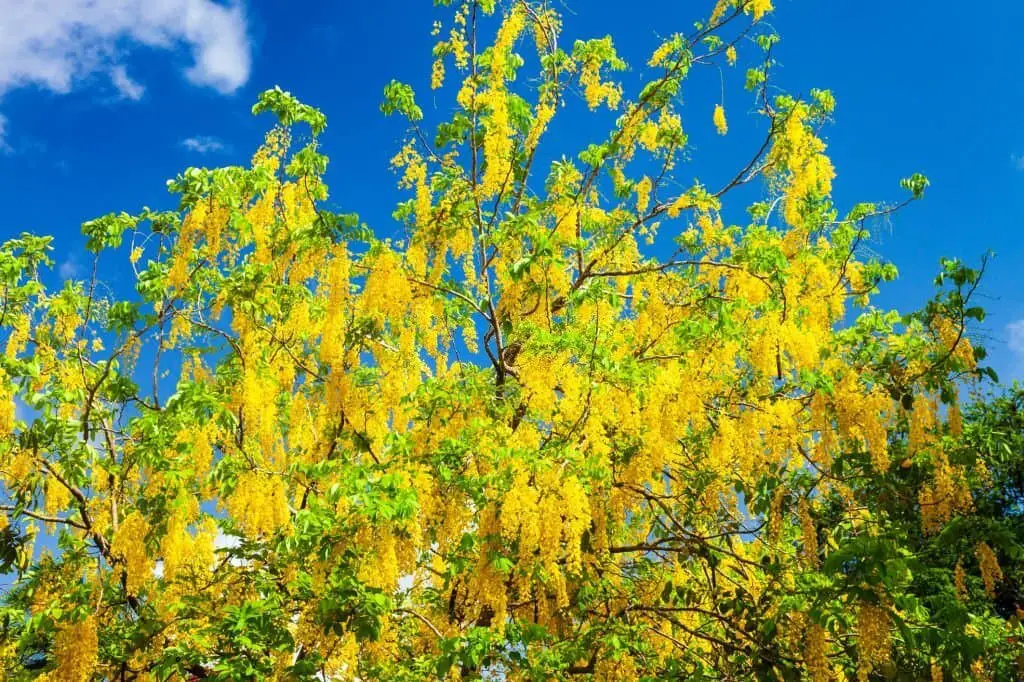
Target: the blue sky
(101, 101)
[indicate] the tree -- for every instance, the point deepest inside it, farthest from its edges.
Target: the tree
(573, 424)
(995, 429)
(967, 571)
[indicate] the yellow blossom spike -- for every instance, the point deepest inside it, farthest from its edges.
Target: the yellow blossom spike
(719, 120)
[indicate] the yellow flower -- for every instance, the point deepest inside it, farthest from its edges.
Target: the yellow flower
(960, 581)
(719, 119)
(991, 574)
(643, 195)
(816, 654)
(810, 533)
(719, 11)
(758, 8)
(259, 503)
(874, 638)
(437, 74)
(663, 51)
(648, 136)
(130, 547)
(74, 650)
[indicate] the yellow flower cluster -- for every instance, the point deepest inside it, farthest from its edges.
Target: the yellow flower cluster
(576, 521)
(270, 153)
(810, 533)
(953, 341)
(594, 90)
(17, 467)
(758, 8)
(65, 326)
(437, 74)
(719, 10)
(58, 497)
(498, 133)
(618, 668)
(259, 503)
(259, 410)
(19, 336)
(799, 155)
(643, 195)
(960, 581)
(415, 176)
(542, 117)
(387, 294)
(718, 118)
(861, 415)
(201, 454)
(129, 546)
(980, 671)
(663, 51)
(75, 651)
(816, 654)
(333, 335)
(945, 496)
(8, 412)
(991, 574)
(873, 638)
(547, 25)
(460, 51)
(921, 423)
(181, 548)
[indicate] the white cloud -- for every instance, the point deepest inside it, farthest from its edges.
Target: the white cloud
(1018, 161)
(4, 147)
(203, 144)
(1015, 344)
(55, 44)
(225, 541)
(1016, 339)
(128, 88)
(70, 268)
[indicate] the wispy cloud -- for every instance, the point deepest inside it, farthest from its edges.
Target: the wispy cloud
(129, 89)
(1016, 338)
(59, 44)
(4, 147)
(1015, 343)
(70, 268)
(1018, 161)
(203, 144)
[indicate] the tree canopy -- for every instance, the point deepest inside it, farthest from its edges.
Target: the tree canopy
(583, 418)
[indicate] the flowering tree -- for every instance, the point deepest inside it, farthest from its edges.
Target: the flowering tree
(574, 423)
